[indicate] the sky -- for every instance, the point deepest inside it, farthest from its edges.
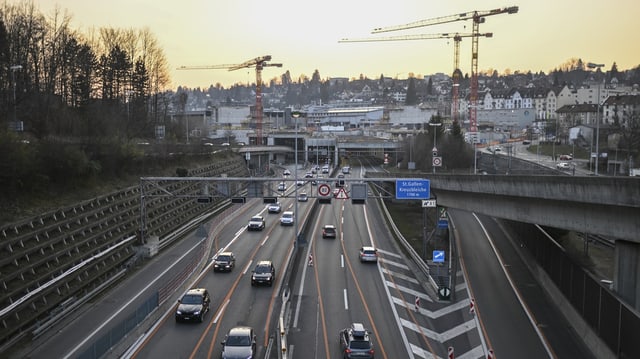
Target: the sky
(303, 35)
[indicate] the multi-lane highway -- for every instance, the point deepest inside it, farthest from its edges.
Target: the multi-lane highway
(511, 315)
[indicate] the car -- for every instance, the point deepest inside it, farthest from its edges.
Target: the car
(263, 273)
(300, 182)
(256, 223)
(286, 172)
(193, 305)
(274, 207)
(308, 175)
(225, 261)
(303, 197)
(329, 231)
(566, 157)
(239, 343)
(282, 186)
(563, 166)
(526, 142)
(226, 144)
(355, 342)
(287, 218)
(346, 169)
(325, 169)
(368, 254)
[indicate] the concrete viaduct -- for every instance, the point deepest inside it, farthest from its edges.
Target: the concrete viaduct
(608, 206)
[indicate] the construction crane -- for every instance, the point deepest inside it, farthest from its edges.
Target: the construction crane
(478, 18)
(259, 63)
(456, 75)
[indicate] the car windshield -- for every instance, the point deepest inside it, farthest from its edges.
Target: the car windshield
(256, 219)
(329, 229)
(224, 258)
(192, 299)
(263, 269)
(360, 344)
(238, 341)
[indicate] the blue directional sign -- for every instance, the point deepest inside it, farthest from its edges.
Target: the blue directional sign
(412, 188)
(438, 256)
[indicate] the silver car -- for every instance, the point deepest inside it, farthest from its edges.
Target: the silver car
(239, 343)
(368, 254)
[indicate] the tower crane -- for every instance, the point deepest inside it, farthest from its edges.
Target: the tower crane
(478, 18)
(259, 63)
(457, 37)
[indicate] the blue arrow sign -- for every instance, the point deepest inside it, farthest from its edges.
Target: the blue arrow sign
(438, 256)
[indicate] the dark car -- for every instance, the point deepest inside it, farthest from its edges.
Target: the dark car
(239, 343)
(356, 342)
(224, 261)
(256, 223)
(264, 273)
(193, 305)
(329, 231)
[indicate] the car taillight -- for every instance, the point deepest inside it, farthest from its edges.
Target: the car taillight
(371, 352)
(347, 350)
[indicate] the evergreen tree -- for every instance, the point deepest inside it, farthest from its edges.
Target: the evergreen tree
(412, 97)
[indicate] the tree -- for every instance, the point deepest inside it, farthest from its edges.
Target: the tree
(412, 97)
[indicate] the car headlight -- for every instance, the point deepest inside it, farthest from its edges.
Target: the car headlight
(197, 312)
(178, 312)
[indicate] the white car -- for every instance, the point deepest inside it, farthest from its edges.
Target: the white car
(274, 207)
(563, 166)
(287, 218)
(282, 187)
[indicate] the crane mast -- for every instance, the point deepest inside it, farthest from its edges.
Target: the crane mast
(478, 17)
(457, 37)
(259, 63)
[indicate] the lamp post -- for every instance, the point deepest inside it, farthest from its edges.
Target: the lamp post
(435, 148)
(13, 69)
(296, 115)
(591, 65)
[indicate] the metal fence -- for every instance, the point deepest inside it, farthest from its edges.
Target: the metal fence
(616, 323)
(103, 344)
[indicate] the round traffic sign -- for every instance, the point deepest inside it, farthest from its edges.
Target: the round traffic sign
(324, 189)
(437, 161)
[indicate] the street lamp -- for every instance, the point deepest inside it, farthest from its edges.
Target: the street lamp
(591, 65)
(13, 69)
(435, 148)
(296, 115)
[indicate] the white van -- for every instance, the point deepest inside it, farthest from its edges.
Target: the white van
(346, 169)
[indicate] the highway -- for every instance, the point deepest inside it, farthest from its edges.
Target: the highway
(512, 315)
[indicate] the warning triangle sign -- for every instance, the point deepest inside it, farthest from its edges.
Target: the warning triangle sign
(342, 194)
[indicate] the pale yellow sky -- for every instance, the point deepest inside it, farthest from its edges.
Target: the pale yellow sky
(303, 35)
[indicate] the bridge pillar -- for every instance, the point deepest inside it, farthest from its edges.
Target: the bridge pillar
(626, 277)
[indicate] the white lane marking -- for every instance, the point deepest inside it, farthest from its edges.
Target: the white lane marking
(463, 304)
(405, 340)
(396, 264)
(126, 305)
(342, 260)
(401, 276)
(412, 292)
(346, 300)
(441, 337)
(387, 253)
(222, 309)
(536, 328)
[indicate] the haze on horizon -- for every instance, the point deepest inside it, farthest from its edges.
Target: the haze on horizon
(543, 35)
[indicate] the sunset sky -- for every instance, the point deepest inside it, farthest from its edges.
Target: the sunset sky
(303, 35)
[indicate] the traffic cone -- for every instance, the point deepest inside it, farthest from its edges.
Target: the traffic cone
(310, 262)
(417, 303)
(450, 353)
(490, 355)
(472, 307)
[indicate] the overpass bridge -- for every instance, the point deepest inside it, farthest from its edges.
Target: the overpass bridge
(608, 206)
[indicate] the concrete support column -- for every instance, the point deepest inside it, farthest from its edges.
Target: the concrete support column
(626, 277)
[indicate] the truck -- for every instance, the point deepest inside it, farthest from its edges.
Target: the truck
(634, 172)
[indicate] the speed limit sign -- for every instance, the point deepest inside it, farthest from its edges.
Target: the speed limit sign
(324, 190)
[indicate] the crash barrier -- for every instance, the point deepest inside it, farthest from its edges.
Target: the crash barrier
(105, 343)
(35, 254)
